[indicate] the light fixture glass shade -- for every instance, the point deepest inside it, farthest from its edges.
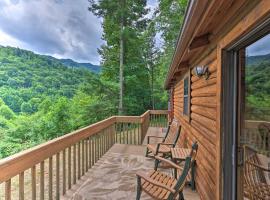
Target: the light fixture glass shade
(200, 71)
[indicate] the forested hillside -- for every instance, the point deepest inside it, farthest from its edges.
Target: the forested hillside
(258, 82)
(40, 99)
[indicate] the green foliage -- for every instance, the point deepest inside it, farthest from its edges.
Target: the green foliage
(258, 87)
(41, 99)
(6, 112)
(131, 14)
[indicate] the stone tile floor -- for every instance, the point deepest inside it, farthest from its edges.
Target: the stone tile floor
(113, 176)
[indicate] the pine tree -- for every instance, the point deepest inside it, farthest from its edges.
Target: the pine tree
(123, 24)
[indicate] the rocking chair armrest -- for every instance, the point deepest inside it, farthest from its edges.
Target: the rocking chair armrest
(146, 178)
(153, 136)
(259, 166)
(172, 164)
(163, 144)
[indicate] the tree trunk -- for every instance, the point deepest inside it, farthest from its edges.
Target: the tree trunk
(121, 67)
(152, 87)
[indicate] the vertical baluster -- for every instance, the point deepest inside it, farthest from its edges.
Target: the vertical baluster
(42, 180)
(98, 145)
(89, 152)
(74, 163)
(86, 155)
(83, 157)
(138, 131)
(21, 186)
(79, 159)
(50, 179)
(121, 133)
(127, 133)
(134, 134)
(114, 137)
(98, 152)
(57, 176)
(33, 180)
(64, 171)
(69, 167)
(101, 143)
(104, 141)
(8, 190)
(113, 141)
(107, 137)
(118, 133)
(93, 150)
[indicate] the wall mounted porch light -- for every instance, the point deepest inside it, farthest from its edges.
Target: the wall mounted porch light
(201, 71)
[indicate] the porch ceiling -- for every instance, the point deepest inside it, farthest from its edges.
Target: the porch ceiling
(205, 22)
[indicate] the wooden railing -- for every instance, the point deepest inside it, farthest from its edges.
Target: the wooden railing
(49, 170)
(257, 135)
(158, 118)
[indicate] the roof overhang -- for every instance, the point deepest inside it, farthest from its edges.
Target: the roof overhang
(205, 21)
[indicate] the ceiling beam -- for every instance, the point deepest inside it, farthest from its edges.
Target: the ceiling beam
(199, 41)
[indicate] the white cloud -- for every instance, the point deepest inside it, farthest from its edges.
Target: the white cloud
(54, 27)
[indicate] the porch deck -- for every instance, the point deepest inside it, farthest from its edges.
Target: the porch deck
(97, 162)
(113, 176)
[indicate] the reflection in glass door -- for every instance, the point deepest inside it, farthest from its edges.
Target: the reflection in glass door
(254, 121)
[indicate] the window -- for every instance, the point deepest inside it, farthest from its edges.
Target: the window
(186, 96)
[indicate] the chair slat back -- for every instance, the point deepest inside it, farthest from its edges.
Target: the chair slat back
(180, 183)
(173, 133)
(252, 174)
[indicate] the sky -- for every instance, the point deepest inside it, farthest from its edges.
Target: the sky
(60, 28)
(260, 47)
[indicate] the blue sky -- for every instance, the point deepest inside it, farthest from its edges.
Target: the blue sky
(61, 28)
(261, 47)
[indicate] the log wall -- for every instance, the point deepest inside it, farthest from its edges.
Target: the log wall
(201, 124)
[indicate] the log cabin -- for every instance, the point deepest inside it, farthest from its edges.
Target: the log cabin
(208, 81)
(221, 44)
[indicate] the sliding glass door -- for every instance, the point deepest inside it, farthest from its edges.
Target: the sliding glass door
(253, 126)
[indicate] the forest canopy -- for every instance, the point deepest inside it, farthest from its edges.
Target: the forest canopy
(42, 98)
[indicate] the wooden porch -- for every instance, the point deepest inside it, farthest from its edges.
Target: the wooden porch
(96, 162)
(113, 176)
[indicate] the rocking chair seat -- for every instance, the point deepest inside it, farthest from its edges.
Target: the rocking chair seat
(259, 191)
(155, 191)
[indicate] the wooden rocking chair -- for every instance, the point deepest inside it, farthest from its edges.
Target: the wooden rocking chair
(255, 184)
(162, 186)
(168, 141)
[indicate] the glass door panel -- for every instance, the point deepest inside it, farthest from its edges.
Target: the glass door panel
(254, 120)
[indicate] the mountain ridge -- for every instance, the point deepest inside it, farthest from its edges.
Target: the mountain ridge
(66, 62)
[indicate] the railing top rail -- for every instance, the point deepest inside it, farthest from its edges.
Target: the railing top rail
(159, 112)
(131, 119)
(13, 165)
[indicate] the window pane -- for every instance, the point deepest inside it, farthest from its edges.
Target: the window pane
(185, 105)
(186, 86)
